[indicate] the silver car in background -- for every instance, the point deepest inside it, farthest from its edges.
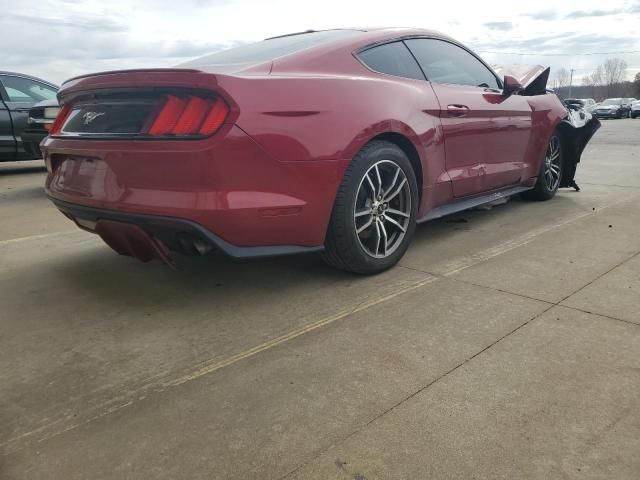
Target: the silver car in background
(589, 104)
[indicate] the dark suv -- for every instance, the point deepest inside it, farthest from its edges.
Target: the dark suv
(18, 93)
(613, 108)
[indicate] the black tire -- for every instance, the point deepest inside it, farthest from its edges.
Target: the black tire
(345, 249)
(546, 189)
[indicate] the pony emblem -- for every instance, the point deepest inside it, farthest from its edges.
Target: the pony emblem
(89, 117)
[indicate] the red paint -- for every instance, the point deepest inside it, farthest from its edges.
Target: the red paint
(269, 175)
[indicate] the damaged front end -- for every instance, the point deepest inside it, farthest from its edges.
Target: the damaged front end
(577, 127)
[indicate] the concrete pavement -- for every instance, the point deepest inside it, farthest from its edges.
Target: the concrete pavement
(505, 345)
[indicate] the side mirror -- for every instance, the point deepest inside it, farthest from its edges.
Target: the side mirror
(511, 85)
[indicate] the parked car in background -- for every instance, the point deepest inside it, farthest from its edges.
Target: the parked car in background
(18, 93)
(337, 141)
(635, 109)
(629, 102)
(41, 118)
(589, 104)
(613, 108)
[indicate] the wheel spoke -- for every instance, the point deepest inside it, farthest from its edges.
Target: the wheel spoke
(385, 239)
(397, 191)
(391, 220)
(362, 213)
(375, 252)
(379, 180)
(366, 225)
(373, 189)
(396, 212)
(393, 182)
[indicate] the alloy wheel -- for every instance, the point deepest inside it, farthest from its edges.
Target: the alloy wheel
(382, 209)
(552, 164)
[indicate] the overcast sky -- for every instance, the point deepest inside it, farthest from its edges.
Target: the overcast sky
(57, 39)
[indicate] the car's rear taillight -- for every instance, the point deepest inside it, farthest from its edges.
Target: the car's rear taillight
(189, 115)
(60, 119)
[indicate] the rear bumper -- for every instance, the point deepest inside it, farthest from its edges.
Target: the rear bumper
(176, 234)
(227, 185)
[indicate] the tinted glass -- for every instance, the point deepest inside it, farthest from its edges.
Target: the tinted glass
(444, 62)
(26, 90)
(393, 59)
(612, 101)
(270, 48)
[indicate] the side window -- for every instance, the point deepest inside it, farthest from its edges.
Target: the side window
(444, 62)
(26, 90)
(393, 59)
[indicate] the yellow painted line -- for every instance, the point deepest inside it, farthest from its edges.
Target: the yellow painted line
(212, 367)
(38, 237)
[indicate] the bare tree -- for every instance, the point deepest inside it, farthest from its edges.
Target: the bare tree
(614, 72)
(595, 81)
(561, 78)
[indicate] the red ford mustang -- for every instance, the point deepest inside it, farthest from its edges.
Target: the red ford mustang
(337, 141)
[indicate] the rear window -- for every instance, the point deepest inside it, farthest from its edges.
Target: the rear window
(269, 49)
(393, 59)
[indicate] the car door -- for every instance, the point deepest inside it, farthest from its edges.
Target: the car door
(21, 93)
(486, 133)
(7, 140)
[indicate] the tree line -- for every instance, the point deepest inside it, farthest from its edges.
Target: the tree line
(608, 80)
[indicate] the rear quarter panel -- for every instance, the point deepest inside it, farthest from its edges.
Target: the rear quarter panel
(310, 118)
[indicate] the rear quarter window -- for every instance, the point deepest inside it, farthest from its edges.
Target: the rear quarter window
(392, 59)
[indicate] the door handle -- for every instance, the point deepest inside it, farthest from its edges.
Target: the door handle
(457, 110)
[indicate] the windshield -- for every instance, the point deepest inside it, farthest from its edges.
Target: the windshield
(269, 49)
(612, 101)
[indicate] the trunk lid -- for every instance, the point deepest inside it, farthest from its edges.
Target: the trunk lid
(130, 103)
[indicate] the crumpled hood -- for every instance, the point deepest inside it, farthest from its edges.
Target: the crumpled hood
(533, 78)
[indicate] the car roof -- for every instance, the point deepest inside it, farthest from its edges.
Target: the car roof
(30, 77)
(371, 31)
(380, 34)
(356, 40)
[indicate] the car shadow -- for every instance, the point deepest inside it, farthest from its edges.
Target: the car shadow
(22, 167)
(99, 273)
(35, 192)
(103, 275)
